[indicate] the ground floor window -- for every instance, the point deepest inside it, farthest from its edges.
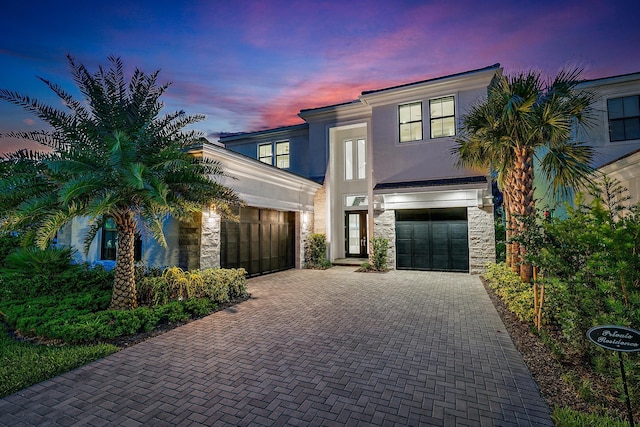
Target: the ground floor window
(110, 242)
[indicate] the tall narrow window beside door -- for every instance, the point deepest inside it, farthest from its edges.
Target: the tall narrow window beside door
(355, 159)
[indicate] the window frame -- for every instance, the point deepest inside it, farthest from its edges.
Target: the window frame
(270, 156)
(624, 119)
(280, 157)
(410, 122)
(441, 118)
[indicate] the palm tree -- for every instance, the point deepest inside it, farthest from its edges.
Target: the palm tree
(112, 156)
(524, 118)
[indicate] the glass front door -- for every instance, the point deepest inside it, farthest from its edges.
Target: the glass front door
(356, 234)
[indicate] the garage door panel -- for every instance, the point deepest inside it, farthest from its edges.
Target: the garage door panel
(262, 242)
(432, 240)
(404, 261)
(404, 231)
(421, 262)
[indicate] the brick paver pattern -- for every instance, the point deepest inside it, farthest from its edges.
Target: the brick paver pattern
(332, 347)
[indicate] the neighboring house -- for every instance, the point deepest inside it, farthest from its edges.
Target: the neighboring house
(613, 132)
(386, 166)
(616, 132)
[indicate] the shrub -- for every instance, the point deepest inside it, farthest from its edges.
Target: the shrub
(43, 262)
(216, 284)
(8, 244)
(315, 253)
(380, 253)
(517, 296)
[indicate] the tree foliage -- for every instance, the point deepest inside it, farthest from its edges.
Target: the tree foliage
(524, 118)
(112, 155)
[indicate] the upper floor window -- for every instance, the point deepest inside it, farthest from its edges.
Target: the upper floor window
(410, 121)
(443, 117)
(354, 159)
(265, 153)
(624, 118)
(282, 154)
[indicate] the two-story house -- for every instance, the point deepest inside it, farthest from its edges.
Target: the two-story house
(380, 165)
(387, 169)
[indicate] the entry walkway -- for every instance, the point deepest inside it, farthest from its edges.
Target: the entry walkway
(331, 347)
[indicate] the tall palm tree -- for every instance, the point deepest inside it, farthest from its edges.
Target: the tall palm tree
(112, 156)
(524, 118)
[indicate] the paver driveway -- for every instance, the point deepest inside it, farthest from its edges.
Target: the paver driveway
(330, 347)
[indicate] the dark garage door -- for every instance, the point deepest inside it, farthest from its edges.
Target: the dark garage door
(262, 242)
(432, 239)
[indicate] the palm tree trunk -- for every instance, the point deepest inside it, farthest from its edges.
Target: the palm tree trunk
(512, 223)
(524, 203)
(124, 286)
(508, 230)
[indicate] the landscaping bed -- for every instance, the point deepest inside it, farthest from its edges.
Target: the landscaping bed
(551, 375)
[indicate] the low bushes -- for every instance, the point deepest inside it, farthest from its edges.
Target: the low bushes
(81, 315)
(517, 296)
(590, 267)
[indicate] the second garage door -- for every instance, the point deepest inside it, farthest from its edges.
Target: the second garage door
(262, 242)
(432, 239)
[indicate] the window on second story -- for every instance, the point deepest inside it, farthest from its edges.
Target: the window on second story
(443, 118)
(282, 154)
(624, 118)
(354, 159)
(410, 121)
(265, 153)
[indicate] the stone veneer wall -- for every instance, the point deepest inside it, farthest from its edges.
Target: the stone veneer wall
(304, 227)
(320, 211)
(384, 225)
(210, 240)
(189, 243)
(482, 238)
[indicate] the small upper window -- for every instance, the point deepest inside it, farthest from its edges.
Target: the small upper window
(265, 153)
(282, 154)
(410, 121)
(624, 118)
(443, 118)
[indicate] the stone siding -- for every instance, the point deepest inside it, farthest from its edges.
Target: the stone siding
(189, 243)
(320, 211)
(482, 238)
(384, 225)
(211, 244)
(305, 227)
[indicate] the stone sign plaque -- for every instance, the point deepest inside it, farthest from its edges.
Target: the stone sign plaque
(616, 338)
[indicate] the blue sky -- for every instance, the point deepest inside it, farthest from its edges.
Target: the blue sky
(250, 65)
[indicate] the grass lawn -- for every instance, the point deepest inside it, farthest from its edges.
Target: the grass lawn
(23, 364)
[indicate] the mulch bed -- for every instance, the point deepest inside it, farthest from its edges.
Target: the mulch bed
(548, 371)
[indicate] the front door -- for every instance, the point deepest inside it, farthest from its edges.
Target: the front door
(356, 234)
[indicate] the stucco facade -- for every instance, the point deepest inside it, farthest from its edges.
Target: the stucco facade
(373, 178)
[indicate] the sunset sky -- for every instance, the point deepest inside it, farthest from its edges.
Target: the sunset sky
(250, 65)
